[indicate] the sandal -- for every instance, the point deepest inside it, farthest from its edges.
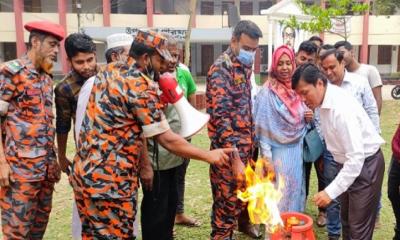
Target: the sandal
(188, 222)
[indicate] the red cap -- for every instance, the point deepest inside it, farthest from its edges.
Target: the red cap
(53, 29)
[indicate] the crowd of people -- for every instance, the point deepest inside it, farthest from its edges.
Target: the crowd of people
(126, 134)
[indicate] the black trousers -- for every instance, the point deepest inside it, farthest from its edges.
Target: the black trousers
(394, 192)
(181, 174)
(319, 169)
(359, 204)
(159, 206)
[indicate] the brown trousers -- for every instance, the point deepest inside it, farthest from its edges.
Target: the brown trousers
(359, 204)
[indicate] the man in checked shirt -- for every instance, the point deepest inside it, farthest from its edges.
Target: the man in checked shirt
(81, 53)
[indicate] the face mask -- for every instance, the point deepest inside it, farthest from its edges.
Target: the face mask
(246, 57)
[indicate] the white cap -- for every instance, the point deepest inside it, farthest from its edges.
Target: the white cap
(119, 40)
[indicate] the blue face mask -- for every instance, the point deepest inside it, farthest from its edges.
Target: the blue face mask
(246, 57)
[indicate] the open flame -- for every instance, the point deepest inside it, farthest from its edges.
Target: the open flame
(262, 196)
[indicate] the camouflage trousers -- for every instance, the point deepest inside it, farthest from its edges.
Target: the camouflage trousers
(106, 219)
(226, 206)
(25, 209)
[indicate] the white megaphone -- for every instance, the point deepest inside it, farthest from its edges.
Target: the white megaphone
(192, 121)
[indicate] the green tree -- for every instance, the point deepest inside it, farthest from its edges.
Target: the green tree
(386, 7)
(321, 19)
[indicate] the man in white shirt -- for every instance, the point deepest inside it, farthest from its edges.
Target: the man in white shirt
(355, 145)
(368, 71)
(333, 65)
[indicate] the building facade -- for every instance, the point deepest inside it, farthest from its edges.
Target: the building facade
(210, 35)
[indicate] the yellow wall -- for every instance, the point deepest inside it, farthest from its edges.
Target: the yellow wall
(170, 21)
(87, 20)
(128, 20)
(383, 30)
(7, 31)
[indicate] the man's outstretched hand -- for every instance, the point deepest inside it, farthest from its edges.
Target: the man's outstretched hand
(219, 156)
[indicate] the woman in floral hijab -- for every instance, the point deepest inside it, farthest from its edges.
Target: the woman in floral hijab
(280, 128)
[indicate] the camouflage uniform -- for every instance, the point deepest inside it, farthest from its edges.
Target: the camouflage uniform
(26, 202)
(123, 105)
(228, 101)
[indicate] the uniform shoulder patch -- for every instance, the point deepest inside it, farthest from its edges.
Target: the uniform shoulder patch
(13, 66)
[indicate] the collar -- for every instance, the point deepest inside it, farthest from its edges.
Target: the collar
(77, 77)
(235, 61)
(327, 103)
(346, 77)
(28, 64)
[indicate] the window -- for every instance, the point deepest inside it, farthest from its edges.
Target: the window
(171, 6)
(41, 6)
(94, 6)
(10, 51)
(128, 6)
(6, 6)
(225, 6)
(246, 8)
(264, 54)
(359, 53)
(207, 8)
(310, 2)
(384, 54)
(32, 6)
(264, 5)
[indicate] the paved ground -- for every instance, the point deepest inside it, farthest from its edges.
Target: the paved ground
(385, 90)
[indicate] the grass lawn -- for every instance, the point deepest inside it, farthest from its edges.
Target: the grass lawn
(198, 193)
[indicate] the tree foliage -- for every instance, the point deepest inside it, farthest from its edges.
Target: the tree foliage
(321, 18)
(386, 7)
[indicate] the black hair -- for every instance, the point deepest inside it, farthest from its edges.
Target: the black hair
(316, 38)
(138, 49)
(309, 47)
(327, 46)
(247, 27)
(116, 50)
(310, 73)
(35, 33)
(77, 43)
(344, 44)
(338, 55)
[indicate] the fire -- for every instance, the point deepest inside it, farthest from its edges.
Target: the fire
(262, 196)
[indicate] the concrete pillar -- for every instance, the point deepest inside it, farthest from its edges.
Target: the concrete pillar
(364, 45)
(62, 18)
(149, 7)
(19, 27)
(395, 52)
(106, 13)
(322, 34)
(1, 52)
(270, 41)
